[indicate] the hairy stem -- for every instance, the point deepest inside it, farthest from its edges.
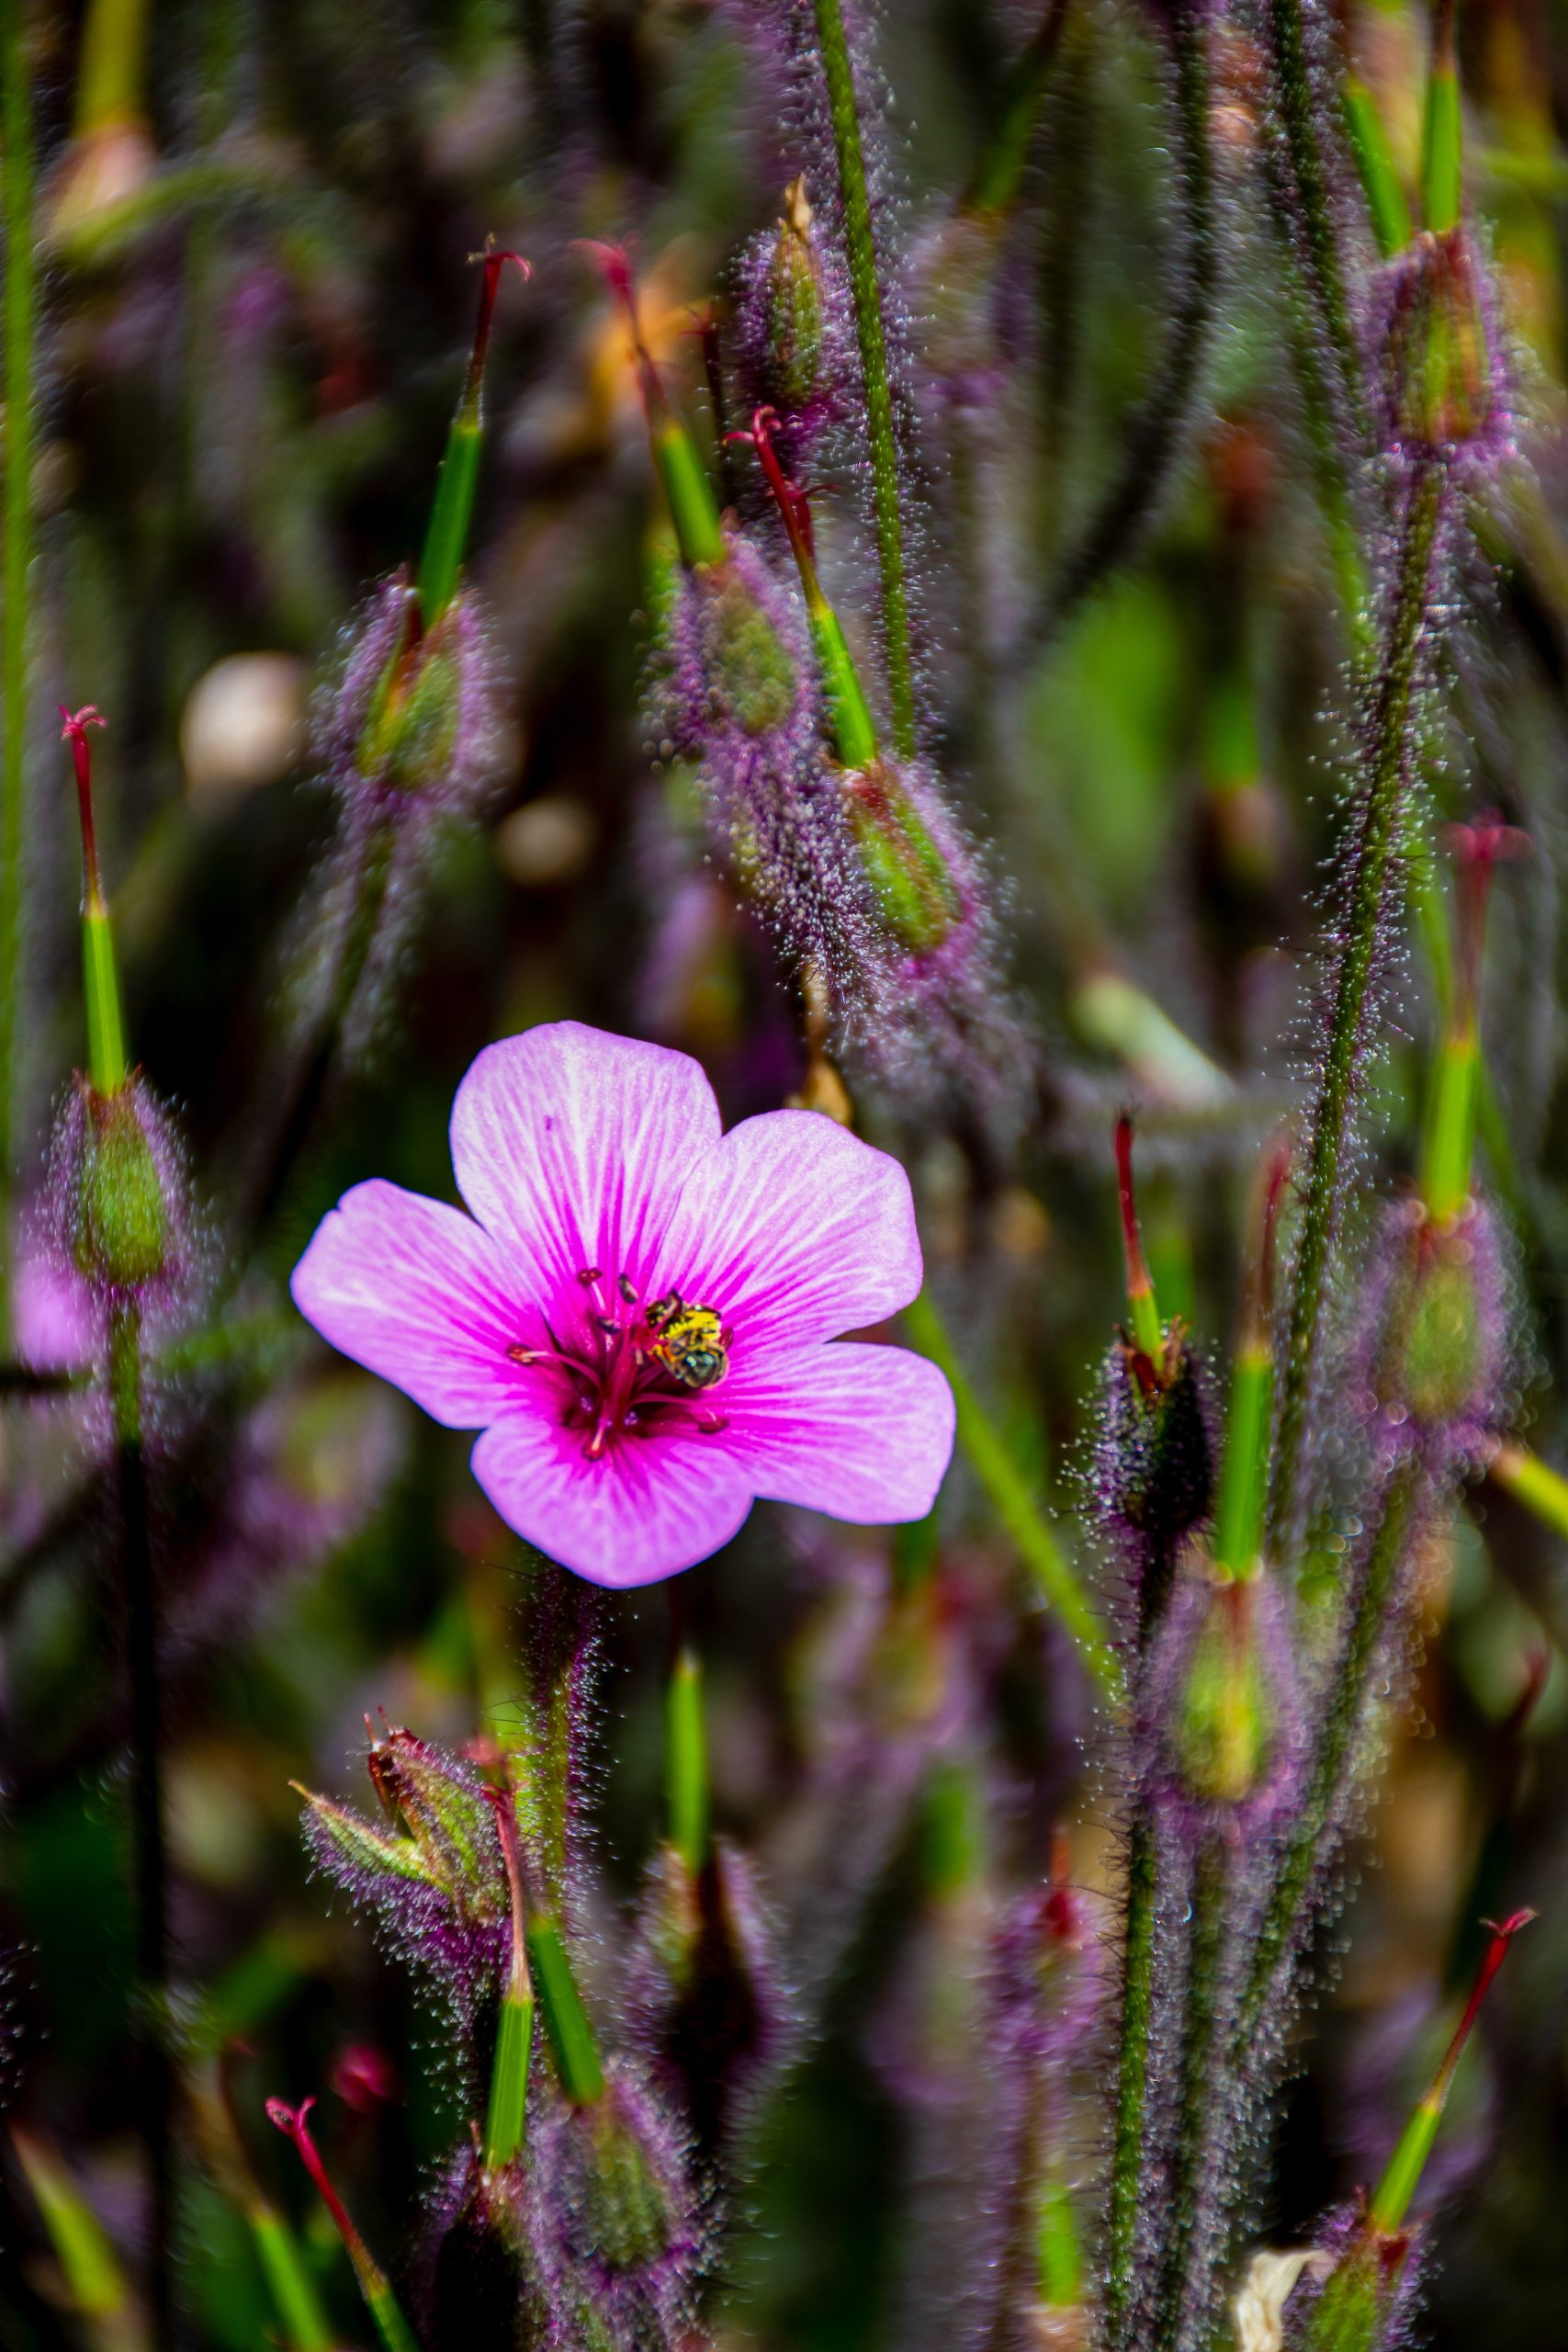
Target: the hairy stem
(1305, 184)
(1333, 1755)
(139, 1596)
(1122, 2326)
(15, 558)
(881, 433)
(1388, 765)
(1186, 2292)
(1154, 439)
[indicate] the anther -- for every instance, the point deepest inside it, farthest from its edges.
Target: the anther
(522, 1355)
(587, 1274)
(627, 1289)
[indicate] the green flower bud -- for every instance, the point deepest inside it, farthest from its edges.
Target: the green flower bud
(120, 1191)
(624, 2207)
(1440, 1362)
(1439, 374)
(790, 325)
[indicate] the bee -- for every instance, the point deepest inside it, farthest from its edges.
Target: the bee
(688, 1342)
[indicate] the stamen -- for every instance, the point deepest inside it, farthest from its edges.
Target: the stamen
(627, 1289)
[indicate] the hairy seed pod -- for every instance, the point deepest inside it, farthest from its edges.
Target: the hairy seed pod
(1359, 2292)
(793, 335)
(615, 2235)
(435, 1875)
(1443, 383)
(704, 1999)
(121, 1212)
(1436, 1366)
(476, 2287)
(1154, 1465)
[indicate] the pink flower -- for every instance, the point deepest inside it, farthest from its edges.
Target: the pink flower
(637, 1315)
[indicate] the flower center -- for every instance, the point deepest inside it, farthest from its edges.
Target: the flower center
(631, 1368)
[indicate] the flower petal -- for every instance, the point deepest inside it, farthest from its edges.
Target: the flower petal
(862, 1432)
(569, 1146)
(792, 1229)
(416, 1292)
(648, 1509)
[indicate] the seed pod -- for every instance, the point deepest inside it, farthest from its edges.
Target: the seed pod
(1437, 1368)
(119, 1190)
(1443, 381)
(439, 1882)
(1223, 1716)
(616, 2241)
(1154, 1462)
(705, 2002)
(477, 2289)
(792, 324)
(412, 723)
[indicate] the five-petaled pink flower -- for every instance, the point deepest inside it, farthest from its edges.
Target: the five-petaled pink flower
(639, 1314)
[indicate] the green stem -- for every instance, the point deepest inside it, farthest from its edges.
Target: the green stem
(1131, 2085)
(1333, 1758)
(571, 2037)
(1533, 1482)
(16, 559)
(1375, 166)
(686, 1761)
(506, 2117)
(1389, 762)
(293, 2290)
(1186, 2292)
(112, 46)
(1016, 1507)
(154, 2073)
(1309, 221)
(999, 175)
(881, 436)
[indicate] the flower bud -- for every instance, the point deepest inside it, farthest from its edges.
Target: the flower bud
(705, 2000)
(414, 716)
(1442, 379)
(616, 2240)
(441, 1889)
(119, 1188)
(1440, 1372)
(790, 338)
(1155, 1461)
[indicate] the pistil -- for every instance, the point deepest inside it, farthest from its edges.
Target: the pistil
(619, 1386)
